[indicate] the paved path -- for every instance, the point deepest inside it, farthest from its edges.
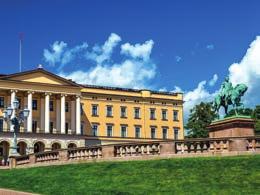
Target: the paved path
(12, 192)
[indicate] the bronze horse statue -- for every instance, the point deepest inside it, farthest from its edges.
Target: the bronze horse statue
(230, 97)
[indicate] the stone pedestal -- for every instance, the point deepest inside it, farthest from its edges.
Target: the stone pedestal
(232, 127)
(236, 129)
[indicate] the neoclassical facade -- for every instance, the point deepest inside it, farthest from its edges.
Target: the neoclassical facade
(66, 114)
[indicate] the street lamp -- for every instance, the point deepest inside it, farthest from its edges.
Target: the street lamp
(10, 115)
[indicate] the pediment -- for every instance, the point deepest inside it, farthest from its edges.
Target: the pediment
(40, 76)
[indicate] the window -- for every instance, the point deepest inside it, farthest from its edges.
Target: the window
(95, 130)
(176, 133)
(137, 112)
(2, 102)
(123, 131)
(165, 132)
(81, 109)
(51, 106)
(123, 112)
(34, 126)
(81, 128)
(175, 115)
(152, 114)
(66, 106)
(137, 131)
(109, 111)
(51, 127)
(153, 131)
(94, 110)
(1, 125)
(66, 128)
(164, 114)
(109, 130)
(34, 104)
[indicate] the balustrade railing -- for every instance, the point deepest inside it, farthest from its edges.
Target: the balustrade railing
(202, 146)
(21, 160)
(84, 153)
(141, 149)
(137, 149)
(49, 156)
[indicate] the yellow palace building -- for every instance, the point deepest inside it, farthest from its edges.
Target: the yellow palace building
(66, 114)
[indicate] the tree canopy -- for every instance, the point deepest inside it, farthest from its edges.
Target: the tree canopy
(200, 117)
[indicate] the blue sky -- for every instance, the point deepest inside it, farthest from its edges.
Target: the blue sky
(162, 45)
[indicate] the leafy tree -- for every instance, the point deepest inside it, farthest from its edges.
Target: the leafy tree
(245, 112)
(200, 117)
(256, 116)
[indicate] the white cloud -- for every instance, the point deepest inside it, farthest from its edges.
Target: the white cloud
(195, 96)
(213, 81)
(142, 51)
(60, 54)
(136, 70)
(133, 74)
(178, 58)
(248, 71)
(101, 54)
(210, 47)
(54, 56)
(177, 89)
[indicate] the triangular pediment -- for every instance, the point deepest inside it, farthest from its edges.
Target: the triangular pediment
(40, 76)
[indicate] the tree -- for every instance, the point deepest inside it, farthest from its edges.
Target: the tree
(256, 116)
(200, 117)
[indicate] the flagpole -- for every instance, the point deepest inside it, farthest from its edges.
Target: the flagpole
(20, 51)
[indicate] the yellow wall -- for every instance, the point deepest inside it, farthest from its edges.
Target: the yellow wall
(159, 102)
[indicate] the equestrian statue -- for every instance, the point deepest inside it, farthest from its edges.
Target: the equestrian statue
(229, 95)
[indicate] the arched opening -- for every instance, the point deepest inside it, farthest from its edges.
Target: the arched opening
(21, 148)
(39, 147)
(4, 152)
(72, 145)
(55, 146)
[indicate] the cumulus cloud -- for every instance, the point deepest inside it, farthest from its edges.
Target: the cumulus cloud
(100, 54)
(133, 74)
(195, 96)
(213, 81)
(142, 51)
(59, 55)
(248, 71)
(135, 70)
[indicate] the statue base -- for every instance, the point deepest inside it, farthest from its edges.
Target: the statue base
(236, 126)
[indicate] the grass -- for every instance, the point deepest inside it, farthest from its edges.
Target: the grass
(218, 175)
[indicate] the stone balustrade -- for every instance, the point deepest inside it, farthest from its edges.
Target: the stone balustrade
(201, 146)
(85, 153)
(139, 150)
(49, 156)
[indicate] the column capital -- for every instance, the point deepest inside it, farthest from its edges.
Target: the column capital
(14, 90)
(47, 93)
(63, 95)
(30, 92)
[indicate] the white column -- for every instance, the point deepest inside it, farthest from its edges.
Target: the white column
(78, 115)
(47, 113)
(62, 116)
(42, 113)
(29, 106)
(73, 116)
(13, 94)
(25, 106)
(58, 115)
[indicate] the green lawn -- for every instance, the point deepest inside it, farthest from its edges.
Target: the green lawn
(218, 175)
